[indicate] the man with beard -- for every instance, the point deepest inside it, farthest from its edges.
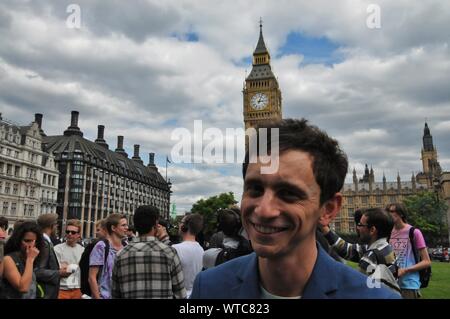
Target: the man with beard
(374, 229)
(281, 207)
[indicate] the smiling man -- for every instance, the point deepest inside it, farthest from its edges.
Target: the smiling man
(280, 212)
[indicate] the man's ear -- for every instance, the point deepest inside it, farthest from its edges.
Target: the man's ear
(330, 209)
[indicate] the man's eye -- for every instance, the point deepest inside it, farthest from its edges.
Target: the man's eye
(288, 195)
(254, 190)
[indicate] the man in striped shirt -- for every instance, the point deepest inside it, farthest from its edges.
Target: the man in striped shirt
(374, 230)
(147, 267)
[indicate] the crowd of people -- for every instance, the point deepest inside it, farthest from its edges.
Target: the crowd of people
(277, 245)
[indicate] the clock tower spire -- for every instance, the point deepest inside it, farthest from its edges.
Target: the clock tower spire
(262, 95)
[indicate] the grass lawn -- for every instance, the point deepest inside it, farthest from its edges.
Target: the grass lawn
(439, 286)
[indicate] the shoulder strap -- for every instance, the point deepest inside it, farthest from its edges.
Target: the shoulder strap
(106, 241)
(413, 244)
(379, 258)
(220, 238)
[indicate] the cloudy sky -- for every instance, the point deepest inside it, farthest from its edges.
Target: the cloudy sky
(144, 68)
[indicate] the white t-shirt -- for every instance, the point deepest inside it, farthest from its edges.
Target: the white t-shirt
(71, 256)
(267, 295)
(191, 254)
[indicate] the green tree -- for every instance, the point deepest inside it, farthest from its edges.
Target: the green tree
(426, 211)
(208, 209)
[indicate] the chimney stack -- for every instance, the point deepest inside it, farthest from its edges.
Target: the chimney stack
(74, 119)
(73, 129)
(119, 148)
(100, 132)
(136, 154)
(136, 151)
(151, 159)
(100, 140)
(38, 120)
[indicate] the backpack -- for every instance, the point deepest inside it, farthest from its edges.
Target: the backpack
(228, 253)
(383, 273)
(424, 274)
(84, 266)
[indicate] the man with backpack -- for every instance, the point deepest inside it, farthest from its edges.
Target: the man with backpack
(228, 243)
(100, 232)
(411, 250)
(375, 255)
(101, 261)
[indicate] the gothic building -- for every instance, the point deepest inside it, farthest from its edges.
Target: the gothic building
(365, 192)
(262, 95)
(95, 181)
(431, 168)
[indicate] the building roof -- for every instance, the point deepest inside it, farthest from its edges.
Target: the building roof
(64, 147)
(260, 72)
(261, 46)
(10, 126)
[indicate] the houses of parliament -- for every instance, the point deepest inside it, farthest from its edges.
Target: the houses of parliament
(262, 101)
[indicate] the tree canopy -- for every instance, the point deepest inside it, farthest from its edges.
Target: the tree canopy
(208, 209)
(426, 211)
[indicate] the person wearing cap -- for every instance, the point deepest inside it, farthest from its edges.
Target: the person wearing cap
(49, 272)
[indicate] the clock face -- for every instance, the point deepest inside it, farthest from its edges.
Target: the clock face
(259, 101)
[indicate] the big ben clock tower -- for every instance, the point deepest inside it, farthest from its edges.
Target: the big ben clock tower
(262, 95)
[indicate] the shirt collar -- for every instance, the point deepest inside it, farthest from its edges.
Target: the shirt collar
(47, 238)
(379, 243)
(144, 238)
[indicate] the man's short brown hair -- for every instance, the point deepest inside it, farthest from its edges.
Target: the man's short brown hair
(101, 223)
(113, 220)
(47, 220)
(75, 223)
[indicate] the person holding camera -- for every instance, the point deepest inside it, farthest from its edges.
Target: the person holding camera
(69, 254)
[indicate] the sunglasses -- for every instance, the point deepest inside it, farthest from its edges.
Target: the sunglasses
(71, 232)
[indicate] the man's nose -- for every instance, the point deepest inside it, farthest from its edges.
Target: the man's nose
(267, 206)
